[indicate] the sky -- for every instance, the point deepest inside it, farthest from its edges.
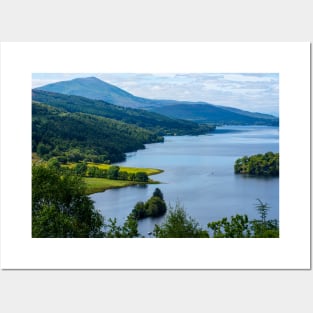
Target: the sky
(255, 92)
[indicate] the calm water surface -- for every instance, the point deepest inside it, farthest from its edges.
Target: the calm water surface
(198, 172)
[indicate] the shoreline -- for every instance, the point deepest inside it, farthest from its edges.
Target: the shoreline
(96, 185)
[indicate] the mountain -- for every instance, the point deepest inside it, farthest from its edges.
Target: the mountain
(94, 88)
(79, 136)
(158, 124)
(204, 113)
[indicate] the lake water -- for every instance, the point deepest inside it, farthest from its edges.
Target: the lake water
(198, 172)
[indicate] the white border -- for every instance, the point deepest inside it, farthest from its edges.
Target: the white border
(290, 251)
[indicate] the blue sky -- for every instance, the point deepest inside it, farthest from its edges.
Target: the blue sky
(255, 92)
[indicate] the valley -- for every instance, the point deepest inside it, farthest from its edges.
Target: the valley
(95, 146)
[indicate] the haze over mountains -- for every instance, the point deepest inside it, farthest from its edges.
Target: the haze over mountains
(200, 112)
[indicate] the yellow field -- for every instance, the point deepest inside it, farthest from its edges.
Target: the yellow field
(102, 166)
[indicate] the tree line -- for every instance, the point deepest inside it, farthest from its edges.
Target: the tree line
(258, 165)
(61, 209)
(113, 172)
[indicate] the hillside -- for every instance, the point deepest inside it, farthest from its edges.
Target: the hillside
(94, 88)
(159, 124)
(204, 113)
(79, 136)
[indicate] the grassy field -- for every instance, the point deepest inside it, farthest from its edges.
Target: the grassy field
(100, 184)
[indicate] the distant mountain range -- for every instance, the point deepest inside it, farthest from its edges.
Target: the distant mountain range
(200, 112)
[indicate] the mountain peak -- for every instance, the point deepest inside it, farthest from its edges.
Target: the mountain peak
(92, 88)
(90, 78)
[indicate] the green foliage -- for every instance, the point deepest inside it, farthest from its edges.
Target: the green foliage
(264, 228)
(240, 226)
(113, 172)
(122, 175)
(54, 163)
(139, 211)
(141, 177)
(259, 165)
(267, 229)
(128, 230)
(80, 169)
(41, 149)
(79, 136)
(154, 207)
(94, 171)
(60, 208)
(262, 208)
(237, 227)
(178, 225)
(158, 193)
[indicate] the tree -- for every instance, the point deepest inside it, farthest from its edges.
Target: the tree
(128, 230)
(158, 193)
(237, 227)
(264, 228)
(139, 211)
(123, 175)
(179, 225)
(112, 172)
(141, 177)
(155, 207)
(80, 168)
(91, 171)
(54, 162)
(262, 208)
(60, 208)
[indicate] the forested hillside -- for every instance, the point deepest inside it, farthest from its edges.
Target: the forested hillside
(159, 124)
(80, 136)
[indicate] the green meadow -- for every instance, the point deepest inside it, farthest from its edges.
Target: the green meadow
(95, 184)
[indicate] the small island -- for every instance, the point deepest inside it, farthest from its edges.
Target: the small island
(258, 165)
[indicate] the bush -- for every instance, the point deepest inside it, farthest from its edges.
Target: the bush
(178, 225)
(154, 207)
